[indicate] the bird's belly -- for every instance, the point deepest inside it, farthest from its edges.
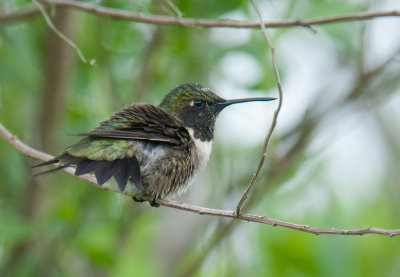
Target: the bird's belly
(168, 170)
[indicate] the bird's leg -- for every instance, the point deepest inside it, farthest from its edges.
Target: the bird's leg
(137, 199)
(153, 202)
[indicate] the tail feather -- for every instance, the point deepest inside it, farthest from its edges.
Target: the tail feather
(49, 162)
(64, 159)
(104, 171)
(49, 171)
(122, 173)
(85, 166)
(52, 161)
(134, 170)
(128, 168)
(121, 169)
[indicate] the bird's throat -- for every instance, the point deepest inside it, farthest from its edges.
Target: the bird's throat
(203, 149)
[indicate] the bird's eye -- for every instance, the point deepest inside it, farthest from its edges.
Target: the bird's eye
(198, 103)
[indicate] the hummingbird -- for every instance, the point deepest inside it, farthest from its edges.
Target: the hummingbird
(155, 150)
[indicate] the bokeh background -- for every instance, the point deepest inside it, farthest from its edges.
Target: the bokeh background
(333, 160)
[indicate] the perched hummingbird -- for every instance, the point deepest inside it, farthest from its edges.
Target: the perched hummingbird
(157, 150)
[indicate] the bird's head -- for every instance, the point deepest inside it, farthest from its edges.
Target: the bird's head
(198, 107)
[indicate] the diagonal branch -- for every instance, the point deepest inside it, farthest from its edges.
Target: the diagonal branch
(36, 154)
(60, 34)
(286, 162)
(208, 23)
(274, 119)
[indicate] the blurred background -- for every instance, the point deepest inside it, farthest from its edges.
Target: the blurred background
(333, 160)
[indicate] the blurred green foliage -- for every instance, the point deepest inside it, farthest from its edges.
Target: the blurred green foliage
(60, 226)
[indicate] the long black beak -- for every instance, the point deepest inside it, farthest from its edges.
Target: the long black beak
(224, 104)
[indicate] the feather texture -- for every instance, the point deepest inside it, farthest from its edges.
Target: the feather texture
(118, 146)
(143, 122)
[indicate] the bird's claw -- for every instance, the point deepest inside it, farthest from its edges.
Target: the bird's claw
(137, 199)
(152, 202)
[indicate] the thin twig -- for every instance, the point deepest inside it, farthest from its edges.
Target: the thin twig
(60, 34)
(208, 23)
(19, 15)
(173, 7)
(274, 222)
(36, 154)
(301, 134)
(144, 78)
(274, 120)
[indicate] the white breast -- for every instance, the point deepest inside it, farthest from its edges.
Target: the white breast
(203, 149)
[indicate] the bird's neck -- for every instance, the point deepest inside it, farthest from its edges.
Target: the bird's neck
(203, 130)
(203, 147)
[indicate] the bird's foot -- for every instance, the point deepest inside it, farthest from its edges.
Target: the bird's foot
(153, 203)
(137, 199)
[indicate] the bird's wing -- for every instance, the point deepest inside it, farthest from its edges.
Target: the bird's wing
(143, 122)
(111, 149)
(117, 138)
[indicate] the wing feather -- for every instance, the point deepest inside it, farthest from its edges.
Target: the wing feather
(111, 149)
(143, 122)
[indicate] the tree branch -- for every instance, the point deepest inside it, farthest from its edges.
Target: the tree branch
(299, 136)
(274, 119)
(208, 23)
(19, 15)
(36, 154)
(60, 34)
